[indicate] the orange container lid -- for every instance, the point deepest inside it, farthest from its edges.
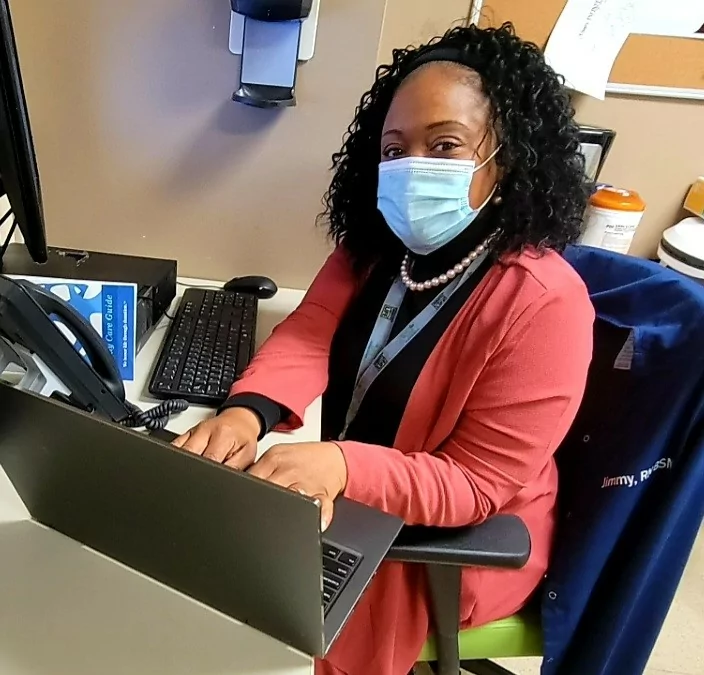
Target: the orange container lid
(617, 199)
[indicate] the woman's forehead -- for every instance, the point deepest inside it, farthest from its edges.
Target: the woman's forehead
(439, 92)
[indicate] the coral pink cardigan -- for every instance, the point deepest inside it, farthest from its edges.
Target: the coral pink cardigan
(490, 407)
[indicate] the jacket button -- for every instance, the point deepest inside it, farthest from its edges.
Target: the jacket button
(552, 595)
(586, 438)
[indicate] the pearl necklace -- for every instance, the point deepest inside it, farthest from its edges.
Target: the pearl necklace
(442, 279)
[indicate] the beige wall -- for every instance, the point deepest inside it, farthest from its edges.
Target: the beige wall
(141, 150)
(410, 22)
(659, 151)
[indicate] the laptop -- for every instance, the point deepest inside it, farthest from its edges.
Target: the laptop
(239, 545)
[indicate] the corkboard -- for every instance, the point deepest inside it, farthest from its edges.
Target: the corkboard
(645, 60)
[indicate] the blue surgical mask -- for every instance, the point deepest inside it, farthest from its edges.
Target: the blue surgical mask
(425, 200)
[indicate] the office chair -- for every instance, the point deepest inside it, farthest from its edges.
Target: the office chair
(503, 542)
(629, 508)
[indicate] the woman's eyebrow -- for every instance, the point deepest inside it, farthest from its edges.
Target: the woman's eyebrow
(392, 132)
(447, 123)
(431, 126)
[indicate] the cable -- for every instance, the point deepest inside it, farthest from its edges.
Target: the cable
(5, 217)
(155, 418)
(203, 288)
(10, 234)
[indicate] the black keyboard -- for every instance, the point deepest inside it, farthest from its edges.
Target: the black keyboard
(209, 344)
(338, 566)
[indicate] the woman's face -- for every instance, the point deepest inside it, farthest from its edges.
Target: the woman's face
(440, 111)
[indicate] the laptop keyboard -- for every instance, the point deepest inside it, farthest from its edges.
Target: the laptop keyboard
(338, 566)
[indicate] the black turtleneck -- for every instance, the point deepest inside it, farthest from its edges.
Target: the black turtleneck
(380, 414)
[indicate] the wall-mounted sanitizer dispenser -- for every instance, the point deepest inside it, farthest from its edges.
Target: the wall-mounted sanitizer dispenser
(272, 36)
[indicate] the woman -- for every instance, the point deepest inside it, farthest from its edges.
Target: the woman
(448, 337)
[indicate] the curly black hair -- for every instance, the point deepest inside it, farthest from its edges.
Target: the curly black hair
(543, 186)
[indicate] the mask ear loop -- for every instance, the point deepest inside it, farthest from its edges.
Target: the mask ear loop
(496, 185)
(488, 199)
(489, 158)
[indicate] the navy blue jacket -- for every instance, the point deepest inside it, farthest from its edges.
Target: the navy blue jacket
(631, 496)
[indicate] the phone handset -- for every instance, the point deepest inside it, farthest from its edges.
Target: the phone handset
(98, 354)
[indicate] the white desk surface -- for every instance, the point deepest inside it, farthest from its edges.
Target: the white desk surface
(66, 610)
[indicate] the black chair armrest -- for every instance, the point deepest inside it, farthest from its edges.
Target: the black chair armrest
(502, 541)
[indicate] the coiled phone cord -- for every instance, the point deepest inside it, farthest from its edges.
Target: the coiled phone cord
(155, 418)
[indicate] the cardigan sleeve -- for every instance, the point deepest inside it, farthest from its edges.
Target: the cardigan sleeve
(269, 412)
(516, 415)
(291, 368)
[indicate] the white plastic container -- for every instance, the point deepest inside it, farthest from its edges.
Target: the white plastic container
(612, 218)
(682, 248)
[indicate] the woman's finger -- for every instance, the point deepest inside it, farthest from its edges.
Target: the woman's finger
(282, 477)
(197, 441)
(221, 443)
(239, 458)
(327, 510)
(265, 467)
(327, 506)
(179, 442)
(296, 487)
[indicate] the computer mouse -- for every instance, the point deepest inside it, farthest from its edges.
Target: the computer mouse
(261, 287)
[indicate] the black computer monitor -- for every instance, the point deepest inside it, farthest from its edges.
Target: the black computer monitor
(18, 164)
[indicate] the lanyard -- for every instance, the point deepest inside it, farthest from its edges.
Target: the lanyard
(380, 352)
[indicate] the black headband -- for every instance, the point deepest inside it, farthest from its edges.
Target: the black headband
(436, 53)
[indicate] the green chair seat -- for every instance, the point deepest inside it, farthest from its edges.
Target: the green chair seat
(519, 635)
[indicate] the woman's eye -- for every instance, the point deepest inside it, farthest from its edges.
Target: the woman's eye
(445, 146)
(392, 153)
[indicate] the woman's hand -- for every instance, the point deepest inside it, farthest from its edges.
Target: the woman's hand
(316, 470)
(230, 438)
